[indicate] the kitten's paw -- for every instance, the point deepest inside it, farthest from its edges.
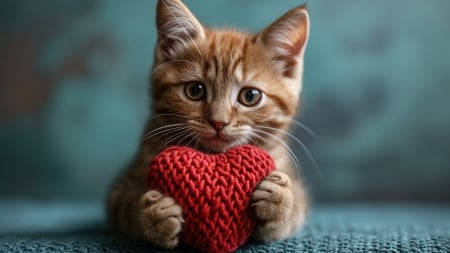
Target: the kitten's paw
(273, 203)
(161, 219)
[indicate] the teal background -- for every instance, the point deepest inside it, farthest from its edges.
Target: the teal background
(74, 83)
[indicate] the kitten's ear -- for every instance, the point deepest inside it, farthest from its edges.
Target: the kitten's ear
(286, 39)
(176, 24)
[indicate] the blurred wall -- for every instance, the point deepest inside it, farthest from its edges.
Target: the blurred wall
(74, 81)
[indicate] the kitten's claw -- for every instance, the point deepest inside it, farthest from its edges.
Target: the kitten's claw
(273, 205)
(161, 219)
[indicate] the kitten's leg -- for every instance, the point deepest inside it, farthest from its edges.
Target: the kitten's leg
(280, 207)
(144, 214)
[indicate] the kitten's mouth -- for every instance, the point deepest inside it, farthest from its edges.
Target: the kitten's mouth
(218, 143)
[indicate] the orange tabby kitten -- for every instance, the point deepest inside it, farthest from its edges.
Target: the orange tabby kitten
(213, 90)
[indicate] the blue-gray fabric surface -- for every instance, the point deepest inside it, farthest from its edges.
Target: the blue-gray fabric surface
(68, 227)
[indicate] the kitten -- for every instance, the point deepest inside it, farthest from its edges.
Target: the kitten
(213, 90)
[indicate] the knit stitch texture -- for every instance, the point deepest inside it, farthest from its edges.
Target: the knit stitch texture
(214, 191)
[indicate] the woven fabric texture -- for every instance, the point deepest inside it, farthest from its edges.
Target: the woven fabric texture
(62, 227)
(214, 191)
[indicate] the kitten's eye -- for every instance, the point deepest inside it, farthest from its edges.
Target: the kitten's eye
(195, 90)
(250, 96)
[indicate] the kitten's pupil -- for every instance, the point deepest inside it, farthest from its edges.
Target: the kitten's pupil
(250, 96)
(195, 90)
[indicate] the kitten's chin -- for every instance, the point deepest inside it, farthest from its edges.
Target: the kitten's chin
(218, 144)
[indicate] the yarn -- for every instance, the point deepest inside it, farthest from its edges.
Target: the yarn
(214, 191)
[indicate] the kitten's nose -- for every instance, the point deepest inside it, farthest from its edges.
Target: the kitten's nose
(218, 125)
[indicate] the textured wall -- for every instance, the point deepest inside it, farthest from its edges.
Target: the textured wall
(74, 74)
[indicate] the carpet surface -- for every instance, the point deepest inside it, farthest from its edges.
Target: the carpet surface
(27, 226)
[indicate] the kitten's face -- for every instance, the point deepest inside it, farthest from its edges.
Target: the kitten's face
(221, 89)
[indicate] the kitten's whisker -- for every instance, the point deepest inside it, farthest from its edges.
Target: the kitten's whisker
(166, 142)
(292, 157)
(168, 131)
(194, 136)
(287, 150)
(160, 130)
(189, 135)
(307, 129)
(177, 135)
(198, 141)
(308, 153)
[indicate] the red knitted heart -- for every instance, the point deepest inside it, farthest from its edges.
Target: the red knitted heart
(214, 191)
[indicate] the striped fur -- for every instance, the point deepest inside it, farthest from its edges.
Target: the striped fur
(225, 62)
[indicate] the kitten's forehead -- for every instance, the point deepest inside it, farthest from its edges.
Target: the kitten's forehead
(226, 53)
(230, 57)
(226, 42)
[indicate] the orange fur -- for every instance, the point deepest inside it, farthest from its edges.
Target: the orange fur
(223, 64)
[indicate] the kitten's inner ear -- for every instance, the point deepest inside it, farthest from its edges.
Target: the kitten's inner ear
(286, 39)
(176, 24)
